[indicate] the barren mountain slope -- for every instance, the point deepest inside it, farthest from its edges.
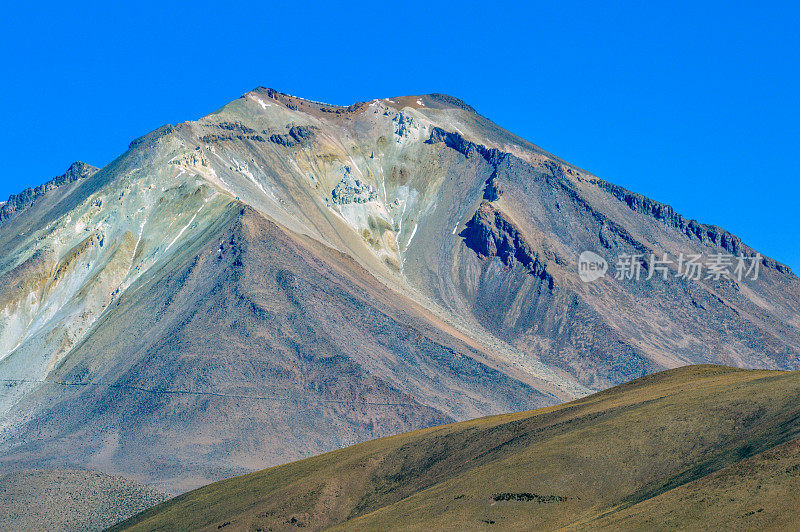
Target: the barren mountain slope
(377, 268)
(253, 350)
(69, 500)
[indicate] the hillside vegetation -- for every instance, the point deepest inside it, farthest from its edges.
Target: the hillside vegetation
(706, 445)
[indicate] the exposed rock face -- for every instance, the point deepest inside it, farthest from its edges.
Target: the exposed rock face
(286, 277)
(457, 142)
(491, 235)
(493, 191)
(493, 156)
(708, 234)
(302, 134)
(234, 131)
(19, 202)
(352, 190)
(297, 135)
(235, 126)
(402, 123)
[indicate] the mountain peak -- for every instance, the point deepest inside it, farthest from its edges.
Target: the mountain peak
(451, 101)
(434, 100)
(78, 170)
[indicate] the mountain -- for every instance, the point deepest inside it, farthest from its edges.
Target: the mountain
(699, 447)
(285, 277)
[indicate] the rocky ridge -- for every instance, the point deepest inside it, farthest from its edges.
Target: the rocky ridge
(17, 203)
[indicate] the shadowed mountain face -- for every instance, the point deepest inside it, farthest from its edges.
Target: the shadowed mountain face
(285, 277)
(699, 447)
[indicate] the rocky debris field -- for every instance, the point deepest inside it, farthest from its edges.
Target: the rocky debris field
(70, 500)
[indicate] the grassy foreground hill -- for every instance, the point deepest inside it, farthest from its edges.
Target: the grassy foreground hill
(696, 447)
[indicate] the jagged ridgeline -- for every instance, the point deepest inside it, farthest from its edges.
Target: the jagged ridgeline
(16, 203)
(285, 277)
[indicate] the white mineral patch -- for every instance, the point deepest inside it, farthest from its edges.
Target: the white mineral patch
(262, 103)
(414, 232)
(185, 227)
(356, 165)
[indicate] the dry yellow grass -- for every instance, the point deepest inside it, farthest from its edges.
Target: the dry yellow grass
(696, 447)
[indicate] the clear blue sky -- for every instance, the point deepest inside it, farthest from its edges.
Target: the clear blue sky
(695, 104)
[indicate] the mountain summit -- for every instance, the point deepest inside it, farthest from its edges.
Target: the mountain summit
(285, 277)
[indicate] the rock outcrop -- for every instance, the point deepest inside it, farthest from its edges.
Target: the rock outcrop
(296, 135)
(19, 202)
(490, 234)
(352, 189)
(708, 234)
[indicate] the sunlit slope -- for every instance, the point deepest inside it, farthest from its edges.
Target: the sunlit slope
(759, 492)
(671, 448)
